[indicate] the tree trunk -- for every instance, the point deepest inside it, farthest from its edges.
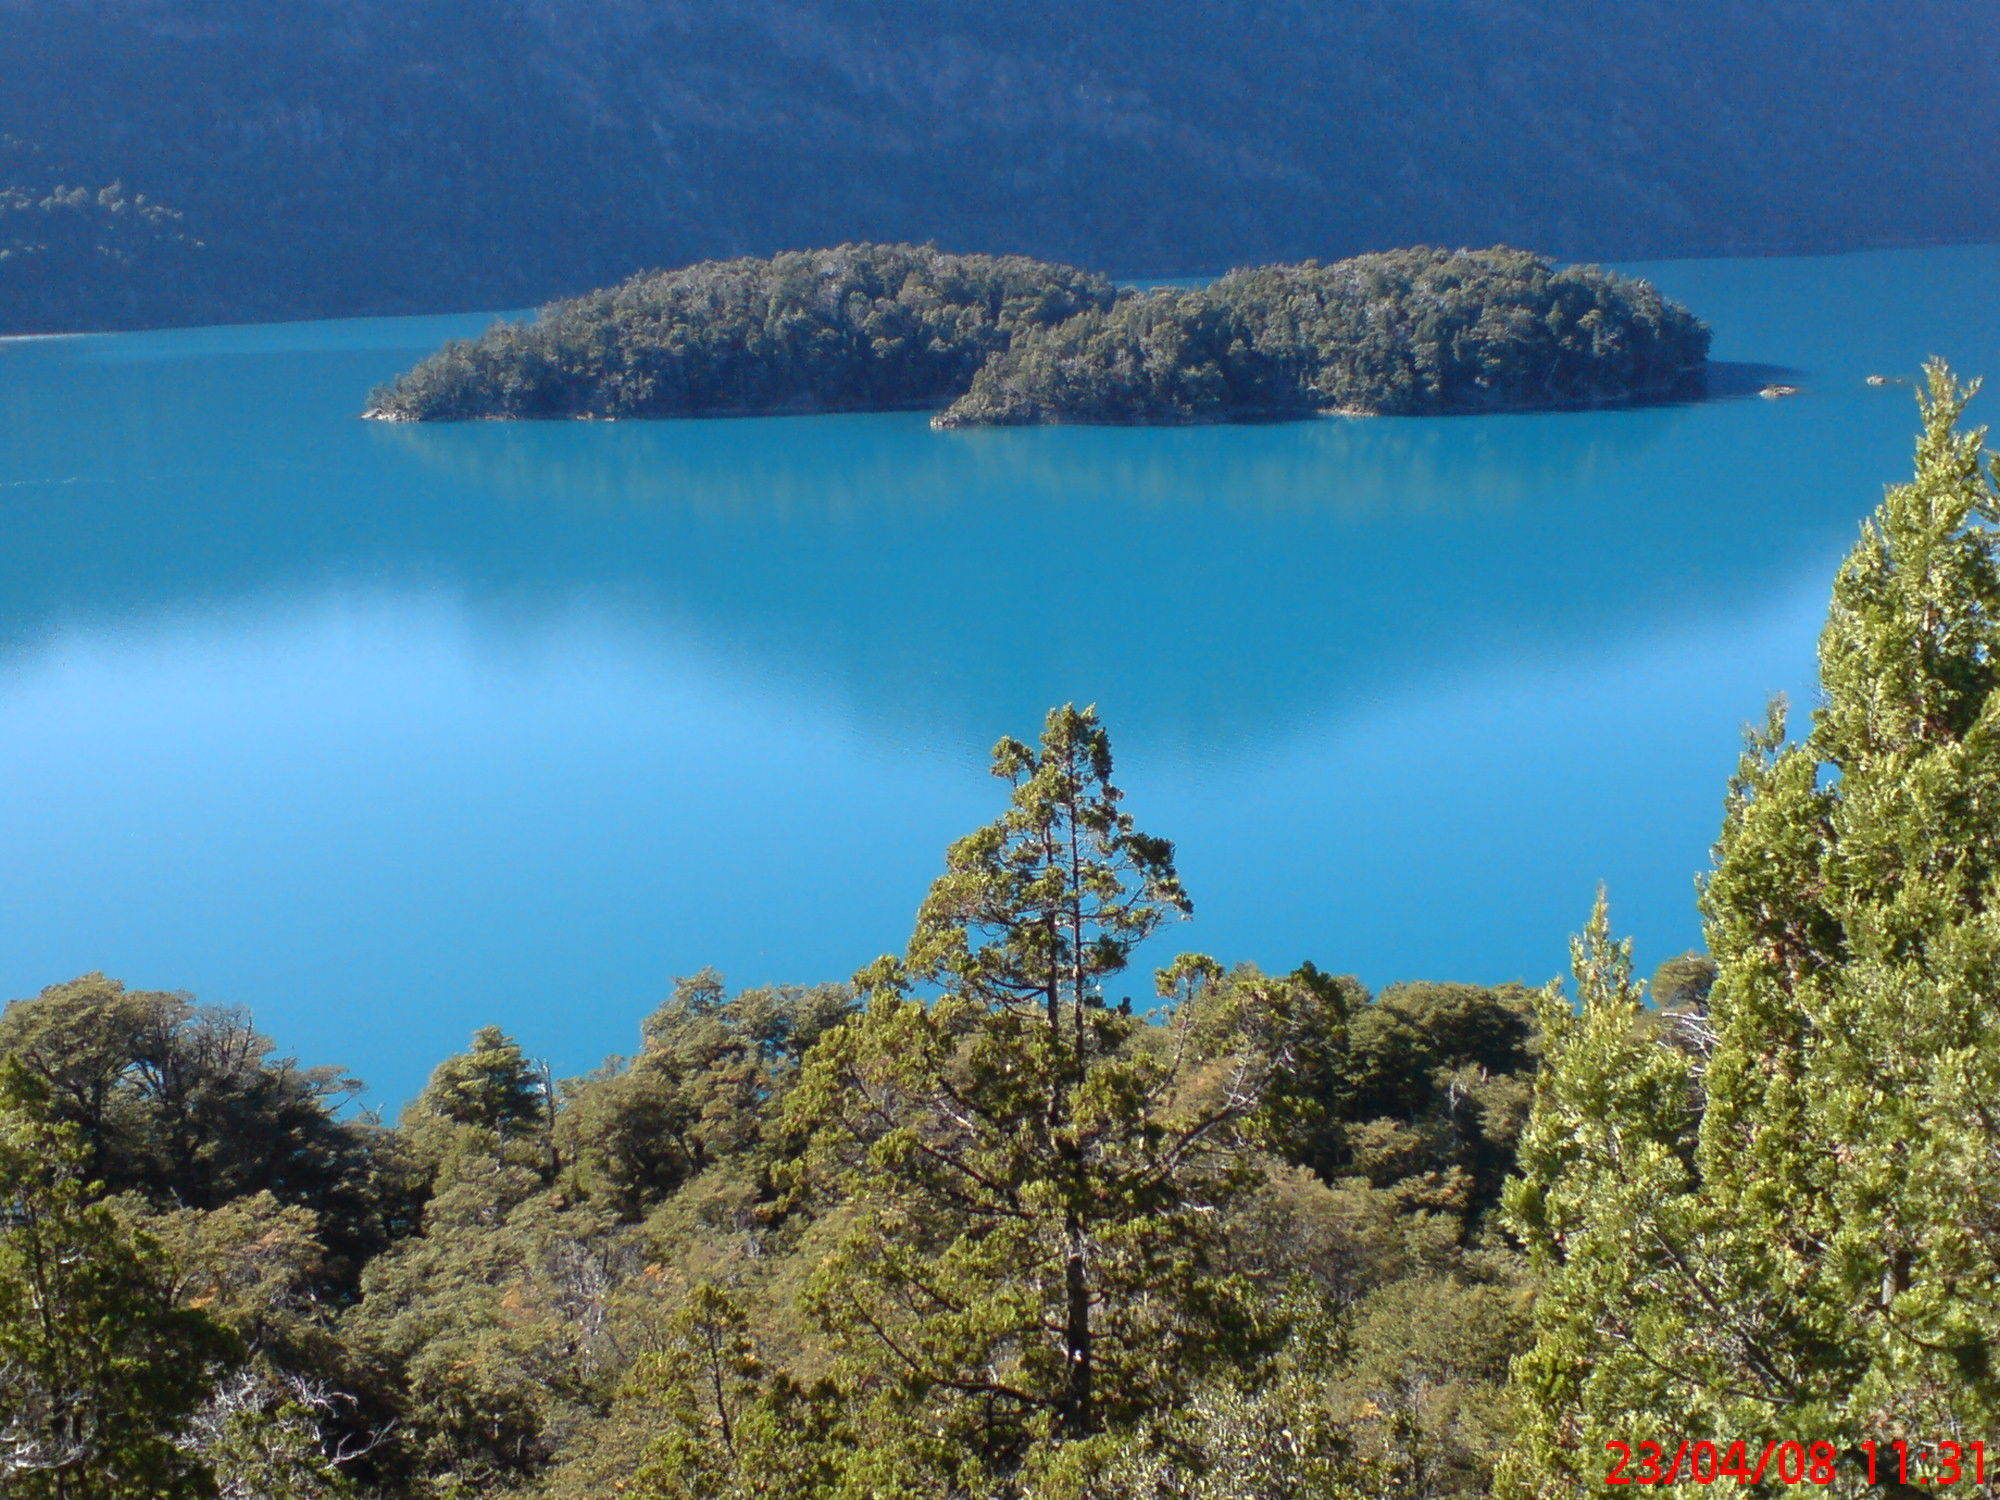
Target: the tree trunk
(1078, 1417)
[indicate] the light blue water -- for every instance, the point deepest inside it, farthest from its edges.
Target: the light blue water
(392, 732)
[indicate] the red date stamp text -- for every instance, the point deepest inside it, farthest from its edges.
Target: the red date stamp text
(1793, 1463)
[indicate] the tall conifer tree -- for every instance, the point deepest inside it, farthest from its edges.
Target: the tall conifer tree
(1824, 1263)
(1032, 1176)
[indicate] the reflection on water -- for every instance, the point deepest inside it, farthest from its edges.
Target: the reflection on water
(1349, 467)
(1213, 586)
(391, 731)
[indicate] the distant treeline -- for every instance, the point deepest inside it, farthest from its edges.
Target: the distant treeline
(1006, 340)
(56, 235)
(1406, 331)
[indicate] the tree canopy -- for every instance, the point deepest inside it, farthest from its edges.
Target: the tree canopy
(1769, 1214)
(1408, 331)
(857, 328)
(1005, 340)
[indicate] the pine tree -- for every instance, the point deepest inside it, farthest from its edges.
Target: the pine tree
(1836, 1227)
(1852, 917)
(1604, 1205)
(1032, 1177)
(493, 1086)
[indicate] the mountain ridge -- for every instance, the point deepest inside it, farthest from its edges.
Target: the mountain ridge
(351, 157)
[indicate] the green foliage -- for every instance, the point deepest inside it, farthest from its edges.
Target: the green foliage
(270, 1446)
(1602, 1205)
(993, 1236)
(492, 1087)
(185, 1106)
(1405, 331)
(1275, 1440)
(1408, 1109)
(1682, 984)
(1165, 356)
(1436, 1094)
(301, 1410)
(551, 1252)
(1035, 1179)
(494, 1322)
(877, 327)
(99, 1370)
(729, 1427)
(857, 328)
(1775, 1218)
(702, 1090)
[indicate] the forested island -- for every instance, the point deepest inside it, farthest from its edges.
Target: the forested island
(1010, 341)
(857, 328)
(1404, 332)
(984, 1224)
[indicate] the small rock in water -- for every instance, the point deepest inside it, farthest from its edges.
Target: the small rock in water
(1772, 392)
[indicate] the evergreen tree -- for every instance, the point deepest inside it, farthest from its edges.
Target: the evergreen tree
(1605, 1205)
(1821, 1259)
(99, 1371)
(1031, 1176)
(700, 1093)
(492, 1086)
(186, 1106)
(731, 1428)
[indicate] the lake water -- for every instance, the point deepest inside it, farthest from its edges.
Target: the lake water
(389, 732)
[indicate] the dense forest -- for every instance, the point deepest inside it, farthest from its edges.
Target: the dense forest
(1403, 332)
(980, 1224)
(861, 327)
(348, 156)
(878, 327)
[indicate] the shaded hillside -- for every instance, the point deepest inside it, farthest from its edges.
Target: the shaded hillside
(349, 156)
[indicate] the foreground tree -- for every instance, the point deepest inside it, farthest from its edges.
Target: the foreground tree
(99, 1371)
(1032, 1179)
(1778, 1219)
(186, 1106)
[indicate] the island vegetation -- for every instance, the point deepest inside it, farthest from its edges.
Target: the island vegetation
(977, 1226)
(1405, 332)
(858, 328)
(1010, 341)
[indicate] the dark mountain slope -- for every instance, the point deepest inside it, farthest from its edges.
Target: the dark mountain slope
(343, 156)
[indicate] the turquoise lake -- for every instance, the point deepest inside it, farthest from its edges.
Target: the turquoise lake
(391, 732)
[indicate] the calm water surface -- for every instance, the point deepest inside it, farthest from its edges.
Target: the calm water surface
(392, 732)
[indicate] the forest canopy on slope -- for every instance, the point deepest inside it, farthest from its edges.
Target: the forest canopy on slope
(875, 327)
(350, 157)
